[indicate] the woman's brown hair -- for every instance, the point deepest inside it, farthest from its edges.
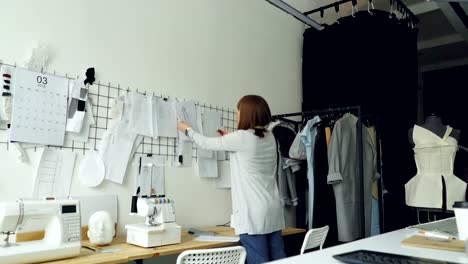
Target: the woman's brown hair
(254, 114)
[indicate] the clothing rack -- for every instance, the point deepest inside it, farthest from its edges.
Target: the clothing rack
(400, 7)
(320, 111)
(304, 114)
(325, 7)
(356, 109)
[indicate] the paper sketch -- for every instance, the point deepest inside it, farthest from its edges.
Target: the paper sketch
(187, 112)
(54, 174)
(210, 123)
(151, 178)
(166, 117)
(224, 179)
(138, 112)
(207, 168)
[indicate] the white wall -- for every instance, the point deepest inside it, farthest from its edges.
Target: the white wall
(213, 51)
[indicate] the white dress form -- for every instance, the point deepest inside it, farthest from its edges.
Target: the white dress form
(434, 158)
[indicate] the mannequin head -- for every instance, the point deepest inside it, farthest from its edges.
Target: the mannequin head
(101, 228)
(433, 122)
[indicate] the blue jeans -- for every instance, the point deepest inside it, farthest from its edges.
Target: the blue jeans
(263, 248)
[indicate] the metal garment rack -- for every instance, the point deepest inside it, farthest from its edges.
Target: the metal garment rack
(304, 17)
(347, 109)
(400, 7)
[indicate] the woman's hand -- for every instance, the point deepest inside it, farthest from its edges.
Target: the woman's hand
(183, 126)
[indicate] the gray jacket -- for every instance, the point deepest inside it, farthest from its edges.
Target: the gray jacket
(287, 182)
(285, 174)
(343, 174)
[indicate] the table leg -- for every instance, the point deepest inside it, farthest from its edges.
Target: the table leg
(138, 261)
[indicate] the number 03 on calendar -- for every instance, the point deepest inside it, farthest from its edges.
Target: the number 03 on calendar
(39, 111)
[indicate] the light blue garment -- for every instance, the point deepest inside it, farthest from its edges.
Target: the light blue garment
(375, 229)
(308, 139)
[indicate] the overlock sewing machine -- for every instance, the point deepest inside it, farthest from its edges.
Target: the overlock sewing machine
(159, 228)
(60, 219)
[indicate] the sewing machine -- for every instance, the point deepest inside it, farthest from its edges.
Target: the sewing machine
(159, 228)
(59, 218)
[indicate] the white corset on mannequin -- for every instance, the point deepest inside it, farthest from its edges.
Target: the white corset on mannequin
(434, 158)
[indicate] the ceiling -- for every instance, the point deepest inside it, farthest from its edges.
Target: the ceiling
(443, 35)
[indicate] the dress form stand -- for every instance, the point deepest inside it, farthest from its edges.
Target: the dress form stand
(434, 124)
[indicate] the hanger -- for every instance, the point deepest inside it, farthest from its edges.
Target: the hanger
(287, 124)
(412, 21)
(402, 13)
(341, 110)
(354, 8)
(390, 13)
(369, 5)
(332, 118)
(366, 122)
(304, 119)
(323, 119)
(337, 10)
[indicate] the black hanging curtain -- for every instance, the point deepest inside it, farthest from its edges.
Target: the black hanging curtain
(370, 60)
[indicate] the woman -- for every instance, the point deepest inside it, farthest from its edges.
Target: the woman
(257, 215)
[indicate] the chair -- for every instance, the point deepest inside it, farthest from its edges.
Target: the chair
(314, 238)
(227, 255)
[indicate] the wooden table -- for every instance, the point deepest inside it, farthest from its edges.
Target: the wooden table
(125, 252)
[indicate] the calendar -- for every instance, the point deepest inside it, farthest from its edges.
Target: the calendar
(39, 111)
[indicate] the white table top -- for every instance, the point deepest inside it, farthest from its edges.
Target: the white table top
(388, 243)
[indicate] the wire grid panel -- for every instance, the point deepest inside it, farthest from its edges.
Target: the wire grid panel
(102, 97)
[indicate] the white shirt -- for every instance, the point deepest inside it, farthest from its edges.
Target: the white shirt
(256, 207)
